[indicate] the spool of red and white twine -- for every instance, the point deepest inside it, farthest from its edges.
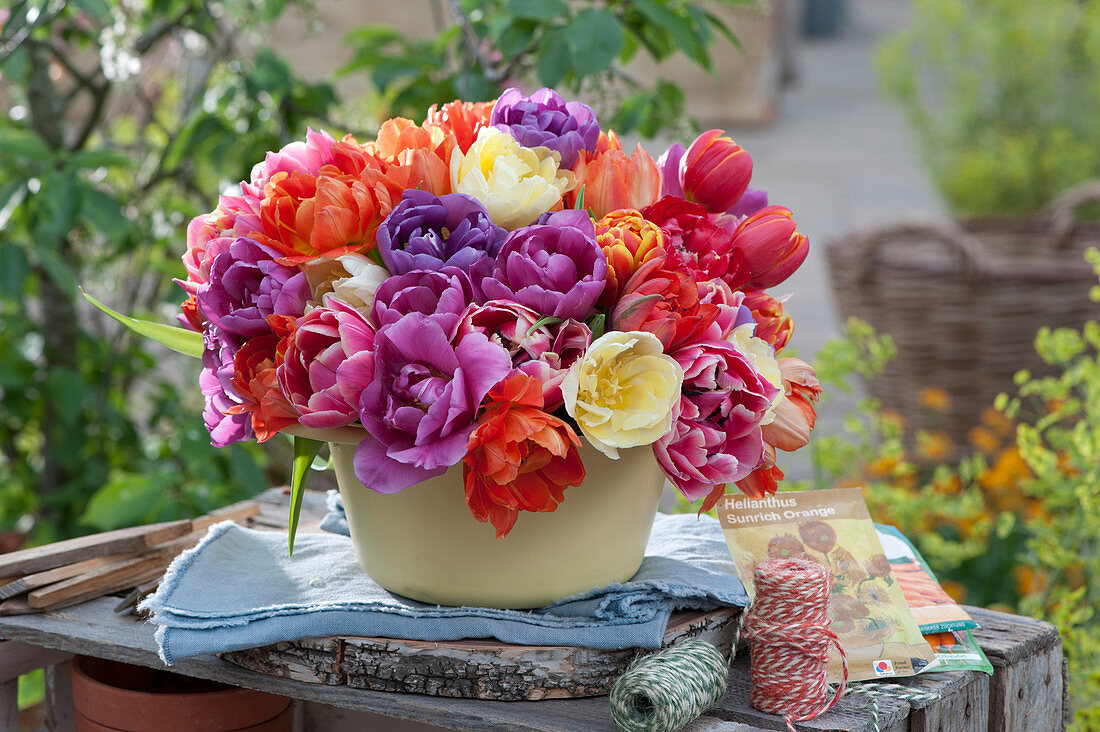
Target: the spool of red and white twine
(787, 629)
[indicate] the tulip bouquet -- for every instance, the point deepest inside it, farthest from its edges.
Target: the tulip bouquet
(488, 287)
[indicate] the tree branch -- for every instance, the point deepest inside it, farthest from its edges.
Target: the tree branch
(44, 18)
(493, 73)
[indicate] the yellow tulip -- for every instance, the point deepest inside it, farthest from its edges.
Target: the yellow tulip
(624, 392)
(515, 184)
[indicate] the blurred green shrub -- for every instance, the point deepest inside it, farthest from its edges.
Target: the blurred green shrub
(575, 46)
(1025, 506)
(1004, 97)
(124, 121)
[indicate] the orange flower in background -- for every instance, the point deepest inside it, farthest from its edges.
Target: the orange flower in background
(984, 439)
(934, 398)
(613, 180)
(628, 240)
(255, 381)
(771, 324)
(462, 119)
(935, 446)
(519, 458)
(1005, 476)
(996, 421)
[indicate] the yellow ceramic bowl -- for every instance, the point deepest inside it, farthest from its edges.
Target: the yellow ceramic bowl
(423, 542)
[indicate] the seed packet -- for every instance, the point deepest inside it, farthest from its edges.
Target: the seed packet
(933, 608)
(956, 650)
(833, 528)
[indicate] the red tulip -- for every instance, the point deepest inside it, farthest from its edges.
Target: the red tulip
(255, 381)
(715, 171)
(772, 245)
(664, 300)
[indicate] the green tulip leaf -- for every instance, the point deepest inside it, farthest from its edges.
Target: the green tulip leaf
(187, 342)
(305, 450)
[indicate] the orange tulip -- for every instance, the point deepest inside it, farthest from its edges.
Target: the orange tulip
(795, 414)
(771, 324)
(613, 180)
(764, 481)
(519, 458)
(328, 216)
(462, 119)
(255, 381)
(628, 240)
(715, 171)
(415, 157)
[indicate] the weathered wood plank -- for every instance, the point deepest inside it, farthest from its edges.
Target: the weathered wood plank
(482, 669)
(94, 629)
(9, 705)
(1027, 691)
(18, 658)
(964, 709)
(57, 574)
(121, 541)
(132, 540)
(59, 698)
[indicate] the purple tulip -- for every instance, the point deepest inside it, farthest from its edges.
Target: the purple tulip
(669, 165)
(429, 232)
(216, 382)
(554, 267)
(545, 352)
(545, 119)
(420, 407)
(444, 295)
(246, 285)
(750, 202)
(329, 360)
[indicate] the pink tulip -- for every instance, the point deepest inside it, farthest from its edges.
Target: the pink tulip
(772, 245)
(321, 365)
(715, 171)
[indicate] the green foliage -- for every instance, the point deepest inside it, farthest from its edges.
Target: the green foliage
(1025, 507)
(125, 121)
(32, 689)
(1004, 96)
(572, 45)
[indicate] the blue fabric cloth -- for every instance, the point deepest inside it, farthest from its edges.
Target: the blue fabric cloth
(238, 589)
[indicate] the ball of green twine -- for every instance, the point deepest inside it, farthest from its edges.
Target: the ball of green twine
(664, 691)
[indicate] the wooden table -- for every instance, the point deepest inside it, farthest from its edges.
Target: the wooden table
(1027, 692)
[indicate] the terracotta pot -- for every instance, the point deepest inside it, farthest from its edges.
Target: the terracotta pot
(423, 542)
(116, 696)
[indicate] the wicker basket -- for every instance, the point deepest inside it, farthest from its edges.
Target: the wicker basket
(963, 304)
